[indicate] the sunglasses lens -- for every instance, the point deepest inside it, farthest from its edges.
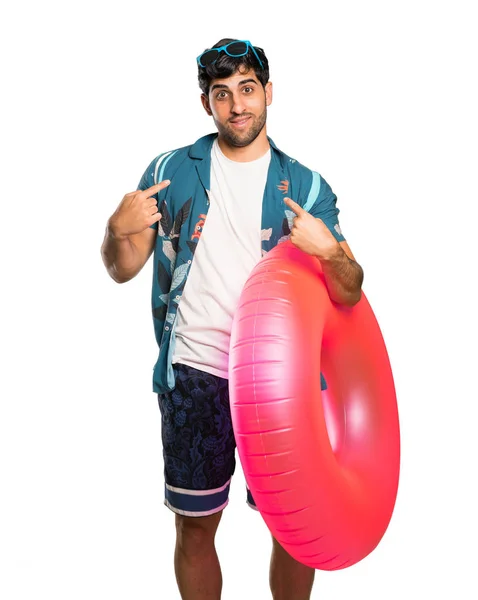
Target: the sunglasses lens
(237, 49)
(209, 57)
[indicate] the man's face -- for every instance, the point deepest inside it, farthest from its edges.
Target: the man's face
(238, 106)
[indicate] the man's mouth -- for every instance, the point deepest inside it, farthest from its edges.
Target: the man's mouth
(240, 122)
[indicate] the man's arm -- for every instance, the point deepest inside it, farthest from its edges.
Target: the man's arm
(124, 257)
(130, 237)
(343, 275)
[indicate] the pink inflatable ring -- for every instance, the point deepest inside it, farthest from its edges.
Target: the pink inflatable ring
(323, 467)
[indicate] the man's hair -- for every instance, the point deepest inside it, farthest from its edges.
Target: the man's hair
(226, 65)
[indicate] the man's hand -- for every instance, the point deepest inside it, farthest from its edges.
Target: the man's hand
(310, 234)
(136, 212)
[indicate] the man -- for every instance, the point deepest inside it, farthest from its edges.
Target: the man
(210, 211)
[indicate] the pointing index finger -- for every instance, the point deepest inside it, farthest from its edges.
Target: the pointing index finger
(294, 206)
(154, 189)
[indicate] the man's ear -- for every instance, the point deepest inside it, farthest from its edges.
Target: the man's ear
(205, 103)
(268, 91)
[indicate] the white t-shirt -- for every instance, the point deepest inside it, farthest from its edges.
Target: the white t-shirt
(228, 250)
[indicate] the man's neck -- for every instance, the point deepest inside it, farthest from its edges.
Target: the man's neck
(253, 151)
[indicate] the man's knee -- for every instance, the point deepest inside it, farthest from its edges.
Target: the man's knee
(195, 535)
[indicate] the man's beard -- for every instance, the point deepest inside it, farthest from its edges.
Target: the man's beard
(238, 139)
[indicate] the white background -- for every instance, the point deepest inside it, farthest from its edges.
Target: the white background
(380, 97)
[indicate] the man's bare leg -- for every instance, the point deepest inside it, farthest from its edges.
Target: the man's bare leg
(289, 579)
(196, 564)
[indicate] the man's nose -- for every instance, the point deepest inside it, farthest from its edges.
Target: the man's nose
(238, 105)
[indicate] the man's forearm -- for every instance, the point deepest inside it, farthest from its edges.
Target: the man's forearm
(343, 277)
(120, 256)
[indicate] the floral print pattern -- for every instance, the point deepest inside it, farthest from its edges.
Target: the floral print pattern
(197, 434)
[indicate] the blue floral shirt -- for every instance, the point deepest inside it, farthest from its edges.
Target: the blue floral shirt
(184, 207)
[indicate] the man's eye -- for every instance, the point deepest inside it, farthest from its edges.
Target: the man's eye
(248, 88)
(221, 95)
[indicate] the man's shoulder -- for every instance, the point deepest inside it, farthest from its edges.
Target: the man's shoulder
(173, 162)
(178, 156)
(308, 183)
(293, 166)
(201, 145)
(175, 155)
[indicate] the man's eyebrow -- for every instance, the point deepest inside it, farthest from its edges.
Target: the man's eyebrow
(223, 86)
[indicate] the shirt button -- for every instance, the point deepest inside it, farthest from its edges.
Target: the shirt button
(177, 297)
(166, 328)
(189, 262)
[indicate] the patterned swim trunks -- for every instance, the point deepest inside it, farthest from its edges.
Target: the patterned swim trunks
(198, 443)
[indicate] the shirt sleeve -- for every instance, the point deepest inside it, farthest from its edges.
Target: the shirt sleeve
(146, 181)
(325, 208)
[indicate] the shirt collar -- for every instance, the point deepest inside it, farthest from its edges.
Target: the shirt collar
(201, 149)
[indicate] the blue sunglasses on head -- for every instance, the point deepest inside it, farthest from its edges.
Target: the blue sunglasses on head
(234, 49)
